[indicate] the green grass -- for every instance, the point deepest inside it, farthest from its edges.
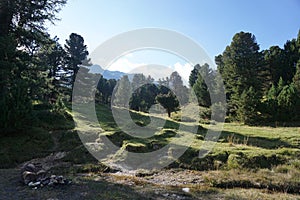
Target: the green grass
(239, 146)
(37, 141)
(254, 158)
(20, 147)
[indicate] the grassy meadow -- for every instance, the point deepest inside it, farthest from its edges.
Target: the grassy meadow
(247, 162)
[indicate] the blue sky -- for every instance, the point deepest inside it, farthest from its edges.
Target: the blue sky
(211, 23)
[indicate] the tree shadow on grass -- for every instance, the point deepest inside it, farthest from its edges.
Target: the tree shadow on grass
(256, 141)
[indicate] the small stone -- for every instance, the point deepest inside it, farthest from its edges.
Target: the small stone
(186, 189)
(34, 184)
(37, 183)
(30, 184)
(52, 182)
(166, 195)
(41, 174)
(28, 177)
(45, 181)
(30, 167)
(59, 179)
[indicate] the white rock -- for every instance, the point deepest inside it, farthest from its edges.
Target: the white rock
(186, 189)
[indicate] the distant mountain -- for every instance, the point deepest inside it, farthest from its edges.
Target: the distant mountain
(97, 69)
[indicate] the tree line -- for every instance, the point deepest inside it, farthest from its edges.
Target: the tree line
(142, 93)
(34, 66)
(261, 86)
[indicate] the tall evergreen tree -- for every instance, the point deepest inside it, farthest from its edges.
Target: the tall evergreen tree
(240, 67)
(176, 84)
(277, 64)
(194, 75)
(77, 53)
(296, 78)
(287, 101)
(52, 56)
(138, 81)
(199, 83)
(296, 83)
(248, 107)
(22, 35)
(201, 92)
(271, 103)
(122, 92)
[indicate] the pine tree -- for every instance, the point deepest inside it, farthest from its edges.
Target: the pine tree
(287, 101)
(201, 92)
(280, 85)
(276, 60)
(138, 81)
(296, 83)
(240, 66)
(248, 107)
(52, 58)
(199, 83)
(296, 78)
(271, 104)
(194, 75)
(22, 35)
(168, 101)
(176, 85)
(77, 53)
(122, 92)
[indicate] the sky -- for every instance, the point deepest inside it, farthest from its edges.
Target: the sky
(210, 23)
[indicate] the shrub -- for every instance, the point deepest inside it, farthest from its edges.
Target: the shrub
(234, 161)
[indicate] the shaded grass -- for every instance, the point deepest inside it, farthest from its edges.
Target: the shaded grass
(17, 148)
(36, 141)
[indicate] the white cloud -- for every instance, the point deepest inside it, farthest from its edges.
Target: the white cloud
(184, 71)
(124, 65)
(154, 70)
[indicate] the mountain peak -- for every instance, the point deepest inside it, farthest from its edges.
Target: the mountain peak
(107, 74)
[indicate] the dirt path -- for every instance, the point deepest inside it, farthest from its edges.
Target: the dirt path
(84, 187)
(163, 185)
(172, 177)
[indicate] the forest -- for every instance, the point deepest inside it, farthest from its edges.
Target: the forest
(255, 157)
(262, 86)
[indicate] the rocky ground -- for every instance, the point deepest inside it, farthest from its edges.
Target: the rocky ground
(166, 184)
(85, 186)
